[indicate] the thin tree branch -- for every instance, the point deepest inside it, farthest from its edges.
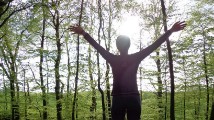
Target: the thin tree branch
(34, 75)
(2, 66)
(2, 36)
(18, 10)
(5, 58)
(18, 43)
(5, 10)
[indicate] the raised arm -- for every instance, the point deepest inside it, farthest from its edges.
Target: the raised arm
(79, 30)
(145, 52)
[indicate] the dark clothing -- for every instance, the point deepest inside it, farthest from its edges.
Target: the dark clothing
(122, 104)
(124, 68)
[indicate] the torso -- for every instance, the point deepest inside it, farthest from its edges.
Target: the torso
(124, 70)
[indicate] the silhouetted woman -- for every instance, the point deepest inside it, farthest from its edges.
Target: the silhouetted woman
(125, 92)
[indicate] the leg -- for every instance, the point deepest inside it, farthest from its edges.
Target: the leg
(133, 107)
(118, 109)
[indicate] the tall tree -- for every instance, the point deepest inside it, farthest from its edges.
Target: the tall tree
(93, 85)
(185, 87)
(98, 62)
(107, 45)
(206, 72)
(93, 106)
(44, 98)
(68, 77)
(10, 68)
(202, 27)
(10, 48)
(56, 24)
(172, 97)
(77, 67)
(152, 23)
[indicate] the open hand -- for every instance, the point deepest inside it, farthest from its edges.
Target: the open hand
(76, 29)
(178, 26)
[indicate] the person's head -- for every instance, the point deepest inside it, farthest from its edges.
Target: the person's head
(123, 44)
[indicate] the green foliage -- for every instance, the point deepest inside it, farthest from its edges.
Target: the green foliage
(149, 106)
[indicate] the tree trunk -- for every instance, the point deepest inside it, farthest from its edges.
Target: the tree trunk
(160, 86)
(5, 93)
(212, 108)
(15, 112)
(98, 62)
(100, 89)
(17, 90)
(172, 97)
(14, 102)
(108, 90)
(56, 69)
(25, 93)
(47, 81)
(90, 69)
(159, 80)
(12, 76)
(68, 79)
(197, 101)
(44, 102)
(74, 107)
(107, 44)
(93, 107)
(212, 111)
(185, 87)
(28, 91)
(206, 75)
(92, 84)
(166, 100)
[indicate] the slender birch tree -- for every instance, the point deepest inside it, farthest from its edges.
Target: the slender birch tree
(74, 107)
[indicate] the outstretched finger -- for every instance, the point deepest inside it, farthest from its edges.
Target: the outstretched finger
(72, 28)
(177, 22)
(69, 28)
(182, 23)
(73, 33)
(75, 25)
(183, 26)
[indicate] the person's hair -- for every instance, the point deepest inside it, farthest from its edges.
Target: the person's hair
(123, 43)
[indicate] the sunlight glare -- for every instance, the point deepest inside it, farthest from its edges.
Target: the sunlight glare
(129, 26)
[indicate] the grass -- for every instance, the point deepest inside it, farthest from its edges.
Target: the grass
(149, 106)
